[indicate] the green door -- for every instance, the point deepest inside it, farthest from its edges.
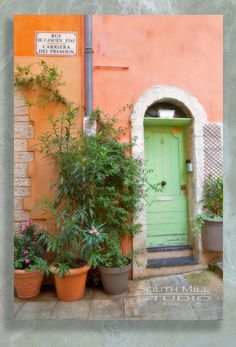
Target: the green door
(166, 209)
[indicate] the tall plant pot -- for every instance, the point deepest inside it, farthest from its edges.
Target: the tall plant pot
(71, 287)
(27, 283)
(212, 235)
(114, 279)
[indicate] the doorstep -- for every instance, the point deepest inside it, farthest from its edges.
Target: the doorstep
(172, 261)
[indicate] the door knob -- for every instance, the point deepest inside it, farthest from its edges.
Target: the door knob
(163, 183)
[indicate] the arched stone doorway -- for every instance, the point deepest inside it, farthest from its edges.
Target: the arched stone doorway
(191, 107)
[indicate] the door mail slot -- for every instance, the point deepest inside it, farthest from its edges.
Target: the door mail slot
(164, 198)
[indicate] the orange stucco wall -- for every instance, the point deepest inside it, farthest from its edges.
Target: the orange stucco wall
(25, 26)
(131, 54)
(146, 50)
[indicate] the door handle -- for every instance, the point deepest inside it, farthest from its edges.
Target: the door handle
(163, 183)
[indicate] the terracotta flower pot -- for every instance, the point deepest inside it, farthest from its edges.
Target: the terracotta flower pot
(212, 235)
(27, 283)
(71, 287)
(114, 279)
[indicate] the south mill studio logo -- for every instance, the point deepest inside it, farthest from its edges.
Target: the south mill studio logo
(175, 294)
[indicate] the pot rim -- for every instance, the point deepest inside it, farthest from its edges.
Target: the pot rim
(71, 272)
(212, 220)
(18, 271)
(115, 269)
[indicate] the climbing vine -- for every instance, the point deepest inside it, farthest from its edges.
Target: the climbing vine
(45, 84)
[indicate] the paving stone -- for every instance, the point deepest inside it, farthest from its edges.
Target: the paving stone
(206, 280)
(182, 292)
(159, 298)
(88, 293)
(142, 306)
(213, 312)
(137, 288)
(71, 310)
(36, 310)
(165, 284)
(47, 294)
(16, 299)
(175, 315)
(17, 306)
(106, 309)
(100, 294)
(153, 307)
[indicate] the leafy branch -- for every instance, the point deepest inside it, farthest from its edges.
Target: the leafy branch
(46, 84)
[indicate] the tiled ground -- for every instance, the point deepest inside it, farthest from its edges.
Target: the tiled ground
(159, 298)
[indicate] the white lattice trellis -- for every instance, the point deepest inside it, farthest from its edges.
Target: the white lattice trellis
(213, 150)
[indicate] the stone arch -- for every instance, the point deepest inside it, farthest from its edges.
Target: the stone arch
(195, 110)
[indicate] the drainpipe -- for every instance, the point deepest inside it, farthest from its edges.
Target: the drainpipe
(89, 73)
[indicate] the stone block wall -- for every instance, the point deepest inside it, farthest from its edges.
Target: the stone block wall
(23, 130)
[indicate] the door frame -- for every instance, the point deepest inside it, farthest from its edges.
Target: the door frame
(195, 151)
(182, 123)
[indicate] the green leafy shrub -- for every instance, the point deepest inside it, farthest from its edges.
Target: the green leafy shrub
(212, 202)
(110, 254)
(99, 183)
(213, 196)
(97, 175)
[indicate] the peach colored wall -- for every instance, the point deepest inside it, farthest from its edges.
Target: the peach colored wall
(131, 54)
(182, 50)
(39, 171)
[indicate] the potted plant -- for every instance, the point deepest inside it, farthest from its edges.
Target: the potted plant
(28, 261)
(97, 180)
(75, 233)
(113, 267)
(73, 247)
(211, 220)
